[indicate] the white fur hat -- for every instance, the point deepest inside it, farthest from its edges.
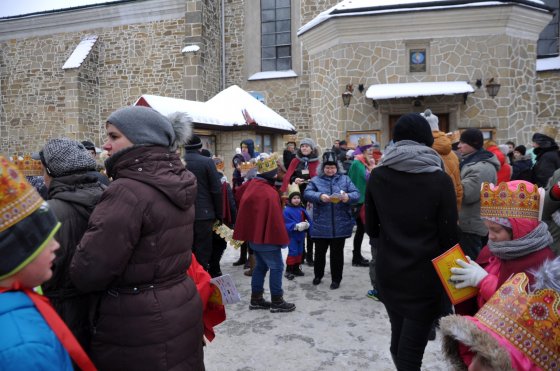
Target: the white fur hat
(432, 119)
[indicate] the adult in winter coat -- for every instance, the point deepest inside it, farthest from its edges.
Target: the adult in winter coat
(302, 168)
(477, 166)
(505, 171)
(332, 195)
(551, 210)
(442, 145)
(522, 164)
(548, 158)
(412, 210)
(138, 247)
(73, 192)
(208, 203)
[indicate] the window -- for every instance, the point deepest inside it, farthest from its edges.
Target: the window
(263, 143)
(547, 46)
(276, 37)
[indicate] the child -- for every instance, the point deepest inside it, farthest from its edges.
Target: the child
(27, 250)
(297, 222)
(514, 330)
(518, 241)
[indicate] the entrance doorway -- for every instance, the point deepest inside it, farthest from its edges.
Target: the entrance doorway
(443, 122)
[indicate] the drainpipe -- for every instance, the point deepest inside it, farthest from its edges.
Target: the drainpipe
(223, 47)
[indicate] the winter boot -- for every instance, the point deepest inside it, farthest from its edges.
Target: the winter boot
(242, 255)
(296, 270)
(279, 305)
(289, 272)
(258, 302)
(252, 263)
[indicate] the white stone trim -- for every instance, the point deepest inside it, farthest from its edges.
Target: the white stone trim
(512, 20)
(109, 15)
(267, 75)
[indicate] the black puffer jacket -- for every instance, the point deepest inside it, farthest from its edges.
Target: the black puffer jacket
(72, 199)
(135, 253)
(548, 160)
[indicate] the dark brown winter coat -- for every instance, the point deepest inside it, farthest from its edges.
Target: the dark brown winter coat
(135, 254)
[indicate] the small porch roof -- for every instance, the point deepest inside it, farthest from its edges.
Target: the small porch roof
(417, 89)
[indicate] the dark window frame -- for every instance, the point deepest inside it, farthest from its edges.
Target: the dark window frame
(276, 55)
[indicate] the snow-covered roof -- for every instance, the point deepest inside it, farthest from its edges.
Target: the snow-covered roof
(232, 108)
(80, 53)
(548, 64)
(417, 89)
(369, 7)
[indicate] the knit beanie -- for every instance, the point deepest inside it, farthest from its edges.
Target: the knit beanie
(307, 141)
(472, 137)
(521, 149)
(193, 143)
(413, 127)
(143, 125)
(26, 222)
(432, 119)
(64, 156)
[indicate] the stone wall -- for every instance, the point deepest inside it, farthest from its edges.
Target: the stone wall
(547, 89)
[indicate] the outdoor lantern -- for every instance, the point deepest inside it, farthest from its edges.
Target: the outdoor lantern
(492, 88)
(347, 95)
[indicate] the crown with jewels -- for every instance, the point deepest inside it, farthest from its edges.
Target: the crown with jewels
(264, 165)
(247, 166)
(27, 165)
(502, 202)
(364, 141)
(528, 321)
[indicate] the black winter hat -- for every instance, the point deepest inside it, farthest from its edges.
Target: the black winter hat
(329, 158)
(472, 137)
(521, 149)
(194, 143)
(413, 126)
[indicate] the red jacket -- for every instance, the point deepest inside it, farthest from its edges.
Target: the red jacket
(260, 218)
(504, 174)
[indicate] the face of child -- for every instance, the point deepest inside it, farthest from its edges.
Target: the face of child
(496, 232)
(296, 200)
(39, 270)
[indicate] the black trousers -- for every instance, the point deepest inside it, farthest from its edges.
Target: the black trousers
(202, 241)
(408, 341)
(219, 245)
(337, 257)
(358, 239)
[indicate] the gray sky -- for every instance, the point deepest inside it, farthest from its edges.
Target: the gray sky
(18, 7)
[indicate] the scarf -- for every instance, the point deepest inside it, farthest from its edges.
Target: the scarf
(58, 326)
(412, 157)
(536, 240)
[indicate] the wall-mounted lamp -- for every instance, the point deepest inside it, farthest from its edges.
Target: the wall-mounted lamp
(375, 104)
(492, 88)
(347, 95)
(361, 88)
(478, 83)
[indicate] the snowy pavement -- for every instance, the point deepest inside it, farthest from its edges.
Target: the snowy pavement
(329, 330)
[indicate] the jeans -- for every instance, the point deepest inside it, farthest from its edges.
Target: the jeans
(267, 257)
(337, 257)
(408, 341)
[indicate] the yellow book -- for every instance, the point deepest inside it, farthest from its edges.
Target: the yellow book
(443, 265)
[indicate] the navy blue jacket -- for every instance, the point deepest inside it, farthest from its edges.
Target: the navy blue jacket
(325, 214)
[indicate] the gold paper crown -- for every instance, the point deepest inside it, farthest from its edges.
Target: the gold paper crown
(501, 202)
(246, 166)
(219, 162)
(267, 164)
(293, 188)
(364, 141)
(528, 321)
(28, 166)
(18, 198)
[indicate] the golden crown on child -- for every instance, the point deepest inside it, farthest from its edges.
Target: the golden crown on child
(528, 320)
(267, 164)
(27, 165)
(501, 202)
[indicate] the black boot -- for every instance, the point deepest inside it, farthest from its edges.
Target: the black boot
(360, 261)
(296, 270)
(242, 255)
(258, 302)
(279, 305)
(289, 272)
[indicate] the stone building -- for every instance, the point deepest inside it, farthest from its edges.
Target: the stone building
(298, 56)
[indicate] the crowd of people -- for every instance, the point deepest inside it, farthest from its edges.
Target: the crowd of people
(112, 270)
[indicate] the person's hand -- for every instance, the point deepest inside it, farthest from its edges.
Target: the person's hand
(344, 196)
(299, 181)
(470, 275)
(325, 198)
(302, 226)
(305, 225)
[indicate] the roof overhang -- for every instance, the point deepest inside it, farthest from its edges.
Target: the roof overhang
(418, 89)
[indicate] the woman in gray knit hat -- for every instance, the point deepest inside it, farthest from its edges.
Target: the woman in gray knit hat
(137, 249)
